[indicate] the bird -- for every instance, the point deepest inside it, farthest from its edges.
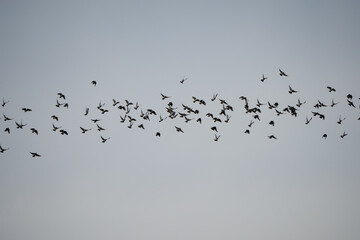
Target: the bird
(100, 128)
(251, 123)
(216, 138)
(63, 132)
(55, 127)
(7, 130)
(349, 96)
(141, 126)
(258, 103)
(179, 129)
(26, 109)
(163, 97)
(307, 120)
(333, 103)
(34, 154)
(55, 117)
(247, 131)
(93, 82)
(214, 97)
(331, 89)
(300, 103)
(263, 78)
(95, 120)
(66, 105)
(158, 134)
(2, 150)
(282, 73)
(33, 130)
(324, 135)
(272, 137)
(58, 104)
(183, 80)
(7, 118)
(340, 120)
(136, 106)
(20, 125)
(103, 140)
(198, 120)
(343, 135)
(84, 130)
(4, 103)
(61, 95)
(350, 103)
(115, 102)
(214, 128)
(86, 111)
(272, 123)
(291, 91)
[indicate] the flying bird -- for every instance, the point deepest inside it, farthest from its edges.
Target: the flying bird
(331, 89)
(34, 154)
(33, 130)
(272, 137)
(163, 97)
(216, 138)
(263, 78)
(26, 109)
(84, 130)
(86, 111)
(55, 117)
(183, 80)
(2, 150)
(61, 95)
(93, 82)
(7, 130)
(178, 129)
(103, 140)
(20, 125)
(282, 73)
(63, 132)
(7, 118)
(55, 127)
(291, 91)
(4, 103)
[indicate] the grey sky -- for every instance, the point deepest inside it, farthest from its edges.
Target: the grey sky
(179, 186)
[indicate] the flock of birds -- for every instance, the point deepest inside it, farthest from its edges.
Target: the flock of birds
(131, 114)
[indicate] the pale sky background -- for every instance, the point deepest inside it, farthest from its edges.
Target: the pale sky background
(179, 186)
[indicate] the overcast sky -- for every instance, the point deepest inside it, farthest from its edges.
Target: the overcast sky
(180, 185)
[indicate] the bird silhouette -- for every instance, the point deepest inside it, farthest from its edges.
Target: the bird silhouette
(272, 137)
(33, 130)
(84, 130)
(183, 80)
(7, 118)
(263, 78)
(216, 138)
(63, 132)
(282, 73)
(179, 129)
(55, 127)
(343, 135)
(26, 109)
(34, 154)
(20, 125)
(331, 89)
(340, 120)
(272, 123)
(214, 97)
(4, 103)
(324, 135)
(2, 150)
(86, 111)
(93, 82)
(163, 97)
(158, 134)
(100, 128)
(55, 118)
(7, 130)
(214, 129)
(103, 140)
(61, 95)
(291, 91)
